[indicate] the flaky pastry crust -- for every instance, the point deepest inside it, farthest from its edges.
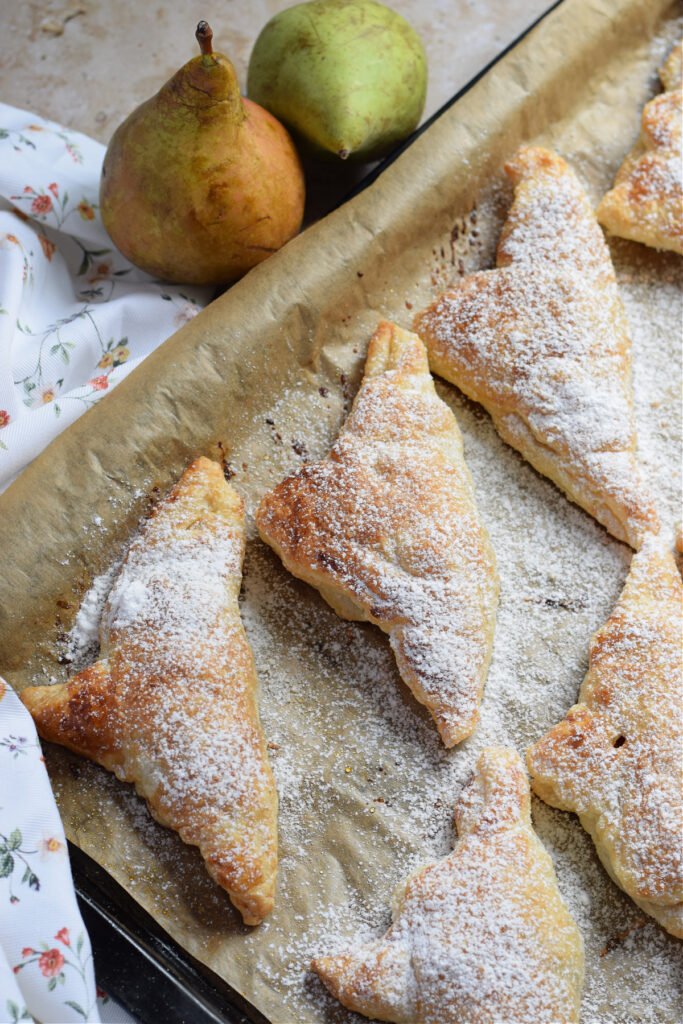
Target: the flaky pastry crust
(646, 202)
(388, 531)
(170, 705)
(617, 757)
(542, 342)
(482, 936)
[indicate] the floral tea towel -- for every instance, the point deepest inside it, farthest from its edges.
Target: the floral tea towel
(75, 316)
(46, 969)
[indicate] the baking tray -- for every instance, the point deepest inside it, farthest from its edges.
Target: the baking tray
(189, 984)
(137, 962)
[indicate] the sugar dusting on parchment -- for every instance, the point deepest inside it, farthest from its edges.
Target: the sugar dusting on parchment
(83, 642)
(348, 743)
(386, 770)
(463, 937)
(389, 522)
(560, 577)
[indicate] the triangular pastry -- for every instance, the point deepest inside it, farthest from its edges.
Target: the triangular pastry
(171, 703)
(542, 343)
(388, 531)
(617, 758)
(482, 936)
(646, 202)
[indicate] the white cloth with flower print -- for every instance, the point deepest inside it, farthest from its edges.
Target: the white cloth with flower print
(46, 970)
(75, 316)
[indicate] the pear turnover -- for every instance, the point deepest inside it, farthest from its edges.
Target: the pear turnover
(482, 936)
(171, 703)
(542, 342)
(388, 531)
(646, 202)
(616, 759)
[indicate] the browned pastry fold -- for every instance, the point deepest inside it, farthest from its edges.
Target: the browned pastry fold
(388, 531)
(542, 343)
(482, 936)
(171, 703)
(646, 202)
(617, 758)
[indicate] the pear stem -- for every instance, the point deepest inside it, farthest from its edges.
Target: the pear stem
(204, 35)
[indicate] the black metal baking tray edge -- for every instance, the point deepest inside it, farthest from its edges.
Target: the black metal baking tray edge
(136, 961)
(139, 964)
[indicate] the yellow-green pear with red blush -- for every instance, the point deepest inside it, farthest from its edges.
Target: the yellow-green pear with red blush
(200, 184)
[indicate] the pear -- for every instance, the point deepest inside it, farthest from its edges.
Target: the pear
(347, 76)
(199, 184)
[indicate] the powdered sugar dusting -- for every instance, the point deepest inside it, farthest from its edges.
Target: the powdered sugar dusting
(392, 810)
(84, 639)
(388, 529)
(174, 689)
(482, 931)
(331, 698)
(542, 343)
(616, 760)
(168, 616)
(646, 202)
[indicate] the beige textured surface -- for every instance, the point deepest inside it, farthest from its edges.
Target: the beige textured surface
(114, 55)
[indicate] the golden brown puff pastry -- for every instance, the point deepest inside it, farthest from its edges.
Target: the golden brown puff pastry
(388, 531)
(542, 342)
(482, 936)
(646, 202)
(671, 71)
(617, 758)
(171, 703)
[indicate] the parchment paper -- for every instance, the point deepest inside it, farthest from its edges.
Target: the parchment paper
(263, 378)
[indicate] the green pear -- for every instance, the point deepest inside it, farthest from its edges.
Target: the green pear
(348, 76)
(199, 184)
